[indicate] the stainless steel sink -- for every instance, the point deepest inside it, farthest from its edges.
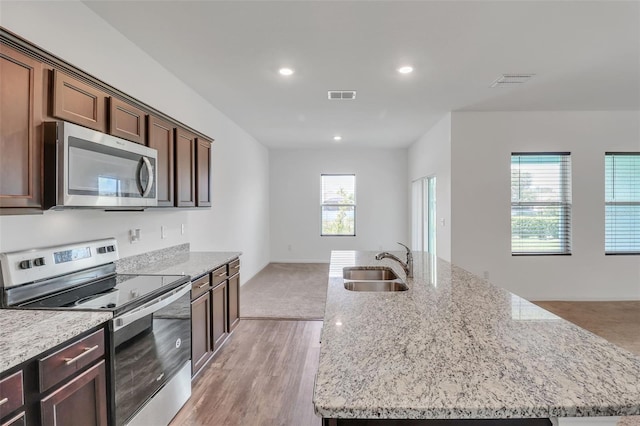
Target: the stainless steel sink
(372, 278)
(378, 273)
(375, 286)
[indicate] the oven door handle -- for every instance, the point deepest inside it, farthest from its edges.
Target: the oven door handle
(150, 307)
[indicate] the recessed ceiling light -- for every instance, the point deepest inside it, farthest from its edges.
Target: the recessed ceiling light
(405, 70)
(285, 71)
(337, 138)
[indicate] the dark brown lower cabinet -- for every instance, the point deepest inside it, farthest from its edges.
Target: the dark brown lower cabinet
(215, 311)
(82, 401)
(18, 420)
(201, 348)
(234, 301)
(219, 315)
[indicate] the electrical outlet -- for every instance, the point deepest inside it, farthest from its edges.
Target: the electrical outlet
(163, 232)
(134, 235)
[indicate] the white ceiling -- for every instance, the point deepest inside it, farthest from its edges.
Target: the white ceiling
(586, 56)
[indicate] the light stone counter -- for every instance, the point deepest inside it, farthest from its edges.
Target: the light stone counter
(192, 263)
(457, 347)
(25, 334)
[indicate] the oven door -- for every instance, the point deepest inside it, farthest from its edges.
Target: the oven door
(152, 344)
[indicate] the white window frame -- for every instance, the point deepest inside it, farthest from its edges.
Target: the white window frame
(633, 234)
(323, 205)
(564, 205)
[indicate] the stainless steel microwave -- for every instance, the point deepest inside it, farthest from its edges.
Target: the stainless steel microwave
(86, 168)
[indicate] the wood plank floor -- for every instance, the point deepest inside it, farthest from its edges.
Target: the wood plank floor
(262, 376)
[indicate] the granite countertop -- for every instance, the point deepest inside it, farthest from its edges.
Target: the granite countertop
(456, 346)
(27, 333)
(194, 263)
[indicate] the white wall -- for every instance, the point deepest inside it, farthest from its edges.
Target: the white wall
(431, 156)
(381, 201)
(482, 143)
(73, 32)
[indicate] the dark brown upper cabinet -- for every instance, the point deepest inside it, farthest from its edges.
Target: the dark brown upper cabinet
(126, 121)
(203, 171)
(160, 135)
(77, 102)
(21, 93)
(185, 165)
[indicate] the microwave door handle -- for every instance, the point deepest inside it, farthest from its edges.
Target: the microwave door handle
(151, 307)
(147, 164)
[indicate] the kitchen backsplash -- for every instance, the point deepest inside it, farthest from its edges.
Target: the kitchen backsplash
(133, 263)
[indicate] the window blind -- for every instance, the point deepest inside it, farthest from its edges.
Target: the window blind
(540, 203)
(338, 205)
(622, 203)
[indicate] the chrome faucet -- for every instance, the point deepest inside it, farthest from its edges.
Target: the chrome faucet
(408, 266)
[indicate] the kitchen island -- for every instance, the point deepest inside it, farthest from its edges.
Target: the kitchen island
(454, 346)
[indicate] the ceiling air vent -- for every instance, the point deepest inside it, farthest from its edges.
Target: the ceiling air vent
(509, 80)
(341, 94)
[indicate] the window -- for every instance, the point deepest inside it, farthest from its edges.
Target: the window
(540, 203)
(338, 205)
(622, 203)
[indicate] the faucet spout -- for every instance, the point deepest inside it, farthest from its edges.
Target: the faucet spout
(406, 266)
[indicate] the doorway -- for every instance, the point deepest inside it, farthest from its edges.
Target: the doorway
(423, 214)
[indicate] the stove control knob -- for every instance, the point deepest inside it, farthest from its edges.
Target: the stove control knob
(102, 250)
(26, 264)
(111, 248)
(39, 261)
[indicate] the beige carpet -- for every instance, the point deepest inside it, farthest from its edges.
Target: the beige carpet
(287, 291)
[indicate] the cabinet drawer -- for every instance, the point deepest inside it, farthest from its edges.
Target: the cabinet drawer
(234, 267)
(200, 286)
(219, 275)
(18, 420)
(68, 360)
(11, 393)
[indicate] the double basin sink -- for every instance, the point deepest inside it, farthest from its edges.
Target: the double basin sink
(372, 278)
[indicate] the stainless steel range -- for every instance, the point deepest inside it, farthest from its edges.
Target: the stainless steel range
(150, 333)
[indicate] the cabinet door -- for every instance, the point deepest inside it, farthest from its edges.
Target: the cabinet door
(234, 300)
(160, 135)
(82, 401)
(200, 331)
(126, 121)
(185, 168)
(203, 171)
(78, 102)
(20, 131)
(219, 315)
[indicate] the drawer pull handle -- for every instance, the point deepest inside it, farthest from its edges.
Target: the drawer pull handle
(70, 361)
(236, 267)
(224, 274)
(4, 401)
(203, 284)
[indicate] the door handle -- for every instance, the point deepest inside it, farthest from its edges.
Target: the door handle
(147, 164)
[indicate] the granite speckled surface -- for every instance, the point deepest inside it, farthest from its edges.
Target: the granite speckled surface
(133, 263)
(193, 263)
(456, 346)
(25, 334)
